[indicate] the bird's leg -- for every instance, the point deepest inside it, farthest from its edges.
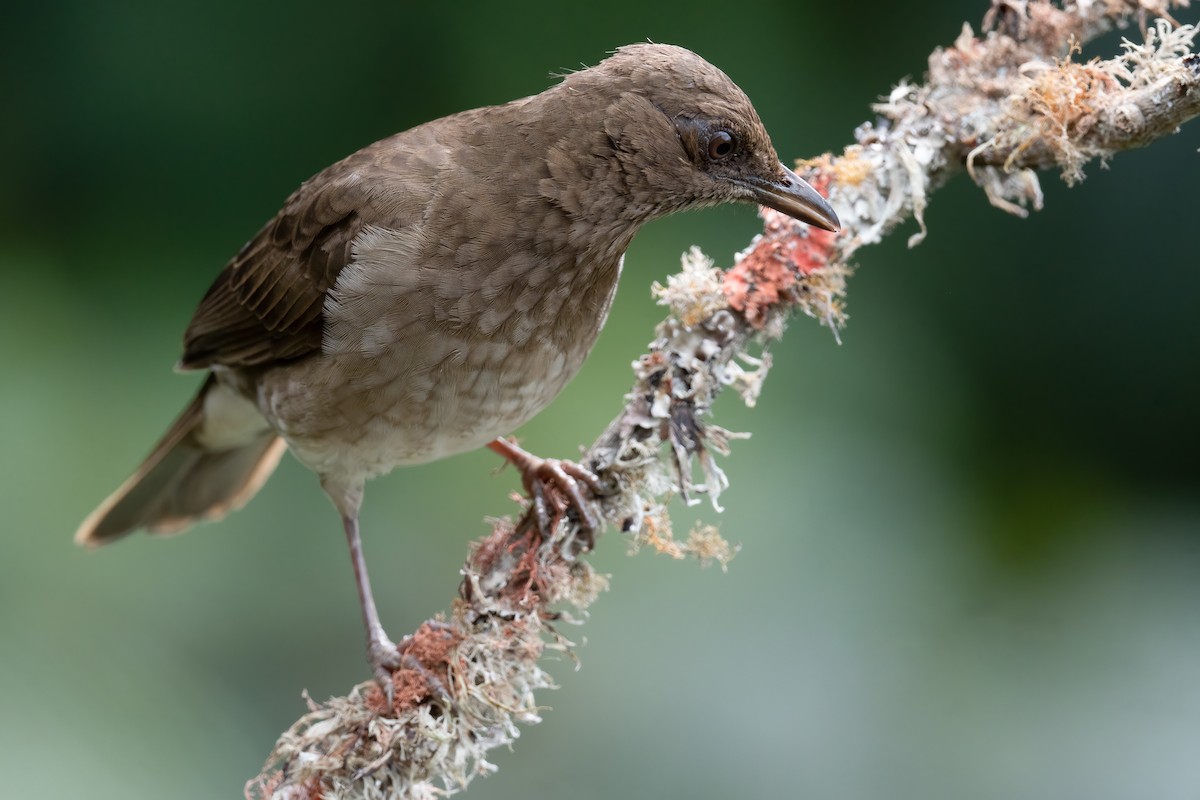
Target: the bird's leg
(382, 653)
(566, 476)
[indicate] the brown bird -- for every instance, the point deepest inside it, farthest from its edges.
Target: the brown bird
(437, 289)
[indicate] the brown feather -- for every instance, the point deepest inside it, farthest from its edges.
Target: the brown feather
(266, 305)
(182, 482)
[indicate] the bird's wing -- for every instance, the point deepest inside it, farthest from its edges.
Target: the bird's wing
(266, 306)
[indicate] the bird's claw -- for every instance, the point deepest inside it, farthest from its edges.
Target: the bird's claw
(385, 657)
(568, 477)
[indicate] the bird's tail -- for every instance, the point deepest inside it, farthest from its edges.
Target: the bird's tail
(214, 458)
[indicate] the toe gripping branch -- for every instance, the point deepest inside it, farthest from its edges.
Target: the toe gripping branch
(557, 489)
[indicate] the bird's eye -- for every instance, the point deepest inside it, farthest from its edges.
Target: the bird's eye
(721, 145)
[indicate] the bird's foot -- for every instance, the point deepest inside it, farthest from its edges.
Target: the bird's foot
(388, 658)
(568, 478)
(385, 657)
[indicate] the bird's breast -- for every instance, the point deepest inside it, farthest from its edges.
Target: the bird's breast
(427, 363)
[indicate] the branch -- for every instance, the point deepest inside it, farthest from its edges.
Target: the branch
(998, 106)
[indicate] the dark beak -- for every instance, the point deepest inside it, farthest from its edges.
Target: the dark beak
(790, 195)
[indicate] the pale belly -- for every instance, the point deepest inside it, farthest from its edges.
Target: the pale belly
(355, 417)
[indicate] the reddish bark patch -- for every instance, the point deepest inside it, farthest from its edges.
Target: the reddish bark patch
(487, 554)
(432, 647)
(409, 688)
(432, 644)
(787, 251)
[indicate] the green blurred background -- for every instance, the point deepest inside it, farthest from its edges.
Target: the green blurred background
(971, 533)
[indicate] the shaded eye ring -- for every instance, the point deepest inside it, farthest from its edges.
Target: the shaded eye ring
(721, 145)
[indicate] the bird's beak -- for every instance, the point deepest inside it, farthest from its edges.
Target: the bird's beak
(791, 195)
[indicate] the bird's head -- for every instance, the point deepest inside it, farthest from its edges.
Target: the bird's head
(685, 135)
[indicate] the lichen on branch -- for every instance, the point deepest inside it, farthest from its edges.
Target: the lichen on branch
(1009, 103)
(999, 106)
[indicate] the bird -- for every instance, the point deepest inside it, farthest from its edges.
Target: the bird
(430, 293)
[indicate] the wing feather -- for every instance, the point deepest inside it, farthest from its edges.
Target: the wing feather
(266, 306)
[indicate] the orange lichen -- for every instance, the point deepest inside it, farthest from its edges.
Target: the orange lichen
(706, 543)
(409, 688)
(786, 252)
(428, 654)
(488, 551)
(849, 169)
(432, 644)
(1063, 102)
(514, 551)
(656, 533)
(375, 700)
